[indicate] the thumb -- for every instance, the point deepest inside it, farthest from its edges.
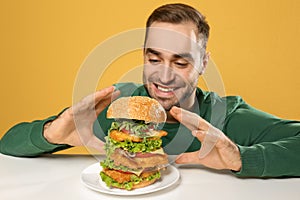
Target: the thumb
(188, 158)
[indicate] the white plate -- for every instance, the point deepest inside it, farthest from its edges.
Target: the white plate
(90, 178)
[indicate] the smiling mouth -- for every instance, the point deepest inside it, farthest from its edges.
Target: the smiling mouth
(164, 89)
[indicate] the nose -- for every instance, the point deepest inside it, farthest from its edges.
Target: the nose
(166, 74)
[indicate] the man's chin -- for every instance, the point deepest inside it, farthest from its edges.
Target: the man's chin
(167, 105)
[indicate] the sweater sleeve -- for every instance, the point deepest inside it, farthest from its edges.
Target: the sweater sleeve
(26, 139)
(269, 146)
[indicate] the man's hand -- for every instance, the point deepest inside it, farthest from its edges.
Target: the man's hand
(224, 153)
(75, 125)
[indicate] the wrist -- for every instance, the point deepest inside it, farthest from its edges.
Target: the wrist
(237, 166)
(51, 130)
(47, 134)
(59, 130)
(237, 163)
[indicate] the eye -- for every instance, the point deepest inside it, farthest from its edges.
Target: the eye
(181, 64)
(154, 61)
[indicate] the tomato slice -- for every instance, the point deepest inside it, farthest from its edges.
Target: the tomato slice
(125, 131)
(143, 155)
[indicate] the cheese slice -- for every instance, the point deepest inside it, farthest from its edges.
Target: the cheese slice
(136, 172)
(158, 151)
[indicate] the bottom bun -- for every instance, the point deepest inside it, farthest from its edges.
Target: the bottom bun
(114, 179)
(144, 183)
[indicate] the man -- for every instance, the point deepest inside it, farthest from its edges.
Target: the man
(234, 135)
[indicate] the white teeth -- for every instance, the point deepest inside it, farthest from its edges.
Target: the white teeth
(165, 89)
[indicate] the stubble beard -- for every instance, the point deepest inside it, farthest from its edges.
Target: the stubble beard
(182, 94)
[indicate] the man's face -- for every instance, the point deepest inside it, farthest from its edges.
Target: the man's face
(172, 63)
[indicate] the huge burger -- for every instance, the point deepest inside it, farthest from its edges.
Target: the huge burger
(134, 154)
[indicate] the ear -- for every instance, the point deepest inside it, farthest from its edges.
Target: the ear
(205, 60)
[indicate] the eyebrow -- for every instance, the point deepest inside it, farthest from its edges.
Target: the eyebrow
(152, 51)
(187, 56)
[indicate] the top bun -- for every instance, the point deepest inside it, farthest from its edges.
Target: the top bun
(137, 107)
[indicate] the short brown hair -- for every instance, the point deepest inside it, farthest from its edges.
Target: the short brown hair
(179, 13)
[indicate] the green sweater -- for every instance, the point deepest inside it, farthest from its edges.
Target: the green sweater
(269, 146)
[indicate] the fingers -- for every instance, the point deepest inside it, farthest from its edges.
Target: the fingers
(197, 156)
(200, 135)
(208, 144)
(91, 100)
(96, 144)
(98, 100)
(105, 101)
(104, 93)
(191, 120)
(211, 135)
(184, 117)
(92, 105)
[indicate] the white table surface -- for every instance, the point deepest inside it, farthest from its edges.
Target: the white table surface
(55, 177)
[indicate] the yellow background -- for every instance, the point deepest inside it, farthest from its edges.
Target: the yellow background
(255, 45)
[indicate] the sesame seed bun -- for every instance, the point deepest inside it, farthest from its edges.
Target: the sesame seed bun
(137, 107)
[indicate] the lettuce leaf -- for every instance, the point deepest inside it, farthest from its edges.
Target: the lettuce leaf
(133, 147)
